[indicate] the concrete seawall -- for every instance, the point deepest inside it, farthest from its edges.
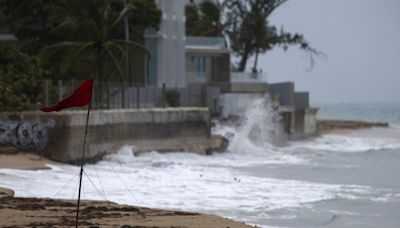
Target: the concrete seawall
(325, 126)
(167, 129)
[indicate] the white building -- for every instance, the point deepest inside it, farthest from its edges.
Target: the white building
(177, 60)
(167, 46)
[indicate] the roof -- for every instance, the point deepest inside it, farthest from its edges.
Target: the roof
(205, 49)
(210, 45)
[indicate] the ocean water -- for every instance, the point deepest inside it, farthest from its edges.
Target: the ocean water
(336, 180)
(375, 112)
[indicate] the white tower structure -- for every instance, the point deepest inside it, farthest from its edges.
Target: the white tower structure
(167, 46)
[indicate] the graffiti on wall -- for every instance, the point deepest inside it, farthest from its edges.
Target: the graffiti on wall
(25, 135)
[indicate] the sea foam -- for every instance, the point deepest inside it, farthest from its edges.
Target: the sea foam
(217, 184)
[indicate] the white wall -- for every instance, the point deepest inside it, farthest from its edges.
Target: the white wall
(171, 44)
(310, 121)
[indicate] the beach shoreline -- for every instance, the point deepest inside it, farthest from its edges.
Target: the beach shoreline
(48, 212)
(24, 160)
(16, 211)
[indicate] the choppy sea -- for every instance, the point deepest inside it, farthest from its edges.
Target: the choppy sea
(336, 180)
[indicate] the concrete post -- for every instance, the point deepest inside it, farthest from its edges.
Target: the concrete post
(138, 96)
(123, 95)
(163, 98)
(108, 87)
(205, 95)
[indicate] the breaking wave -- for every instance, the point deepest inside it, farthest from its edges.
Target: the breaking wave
(358, 141)
(237, 184)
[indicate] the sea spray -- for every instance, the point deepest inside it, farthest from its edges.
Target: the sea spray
(257, 130)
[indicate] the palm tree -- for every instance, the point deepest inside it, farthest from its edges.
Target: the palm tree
(265, 37)
(250, 34)
(260, 31)
(204, 19)
(92, 25)
(210, 23)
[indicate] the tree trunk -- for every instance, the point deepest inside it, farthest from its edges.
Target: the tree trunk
(243, 60)
(255, 62)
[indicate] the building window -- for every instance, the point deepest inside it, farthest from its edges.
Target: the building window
(200, 66)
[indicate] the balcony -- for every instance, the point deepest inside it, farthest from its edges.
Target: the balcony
(205, 42)
(196, 77)
(247, 77)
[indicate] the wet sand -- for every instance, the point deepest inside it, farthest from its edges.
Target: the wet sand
(34, 212)
(23, 160)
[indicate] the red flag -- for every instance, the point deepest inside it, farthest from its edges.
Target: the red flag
(80, 97)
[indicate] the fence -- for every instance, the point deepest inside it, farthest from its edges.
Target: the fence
(242, 77)
(116, 95)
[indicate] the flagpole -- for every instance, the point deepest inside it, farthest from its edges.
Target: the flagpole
(83, 158)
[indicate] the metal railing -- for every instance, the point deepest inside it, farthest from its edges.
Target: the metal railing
(196, 77)
(245, 77)
(199, 41)
(114, 95)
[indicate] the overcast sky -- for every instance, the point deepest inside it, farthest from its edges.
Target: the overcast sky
(361, 39)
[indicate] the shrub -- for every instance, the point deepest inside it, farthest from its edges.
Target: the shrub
(20, 77)
(172, 97)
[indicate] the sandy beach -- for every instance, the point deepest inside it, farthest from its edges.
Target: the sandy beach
(46, 212)
(34, 212)
(24, 160)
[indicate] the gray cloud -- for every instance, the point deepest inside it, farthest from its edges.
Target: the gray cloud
(361, 39)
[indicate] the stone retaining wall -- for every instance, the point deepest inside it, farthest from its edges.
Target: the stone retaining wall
(161, 129)
(324, 126)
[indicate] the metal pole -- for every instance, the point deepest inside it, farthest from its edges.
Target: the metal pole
(83, 159)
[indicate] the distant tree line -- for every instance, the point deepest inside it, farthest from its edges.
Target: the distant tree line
(245, 26)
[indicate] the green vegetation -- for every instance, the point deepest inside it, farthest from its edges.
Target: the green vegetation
(75, 39)
(173, 98)
(31, 22)
(245, 23)
(204, 20)
(96, 23)
(76, 32)
(20, 78)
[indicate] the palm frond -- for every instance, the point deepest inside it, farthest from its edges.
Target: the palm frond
(134, 45)
(48, 51)
(72, 50)
(116, 47)
(121, 15)
(117, 64)
(74, 54)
